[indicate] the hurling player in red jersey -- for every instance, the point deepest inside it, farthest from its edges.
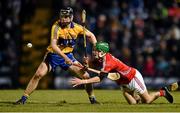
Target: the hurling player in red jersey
(131, 80)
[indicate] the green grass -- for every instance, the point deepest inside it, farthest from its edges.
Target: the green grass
(77, 101)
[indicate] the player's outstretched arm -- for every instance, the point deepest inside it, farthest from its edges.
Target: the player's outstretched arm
(76, 81)
(113, 76)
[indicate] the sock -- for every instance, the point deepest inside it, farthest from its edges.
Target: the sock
(92, 96)
(161, 93)
(26, 95)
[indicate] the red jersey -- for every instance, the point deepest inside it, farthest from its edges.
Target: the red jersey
(112, 64)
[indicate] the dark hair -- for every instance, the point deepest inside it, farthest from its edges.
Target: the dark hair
(68, 11)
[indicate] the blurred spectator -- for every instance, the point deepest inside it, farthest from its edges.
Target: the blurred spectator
(174, 10)
(140, 62)
(174, 67)
(149, 67)
(100, 27)
(13, 13)
(162, 66)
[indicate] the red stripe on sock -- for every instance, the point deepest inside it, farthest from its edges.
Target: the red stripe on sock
(162, 93)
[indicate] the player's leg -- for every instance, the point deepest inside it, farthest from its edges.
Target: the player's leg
(84, 75)
(58, 60)
(149, 98)
(129, 97)
(137, 98)
(32, 85)
(40, 72)
(139, 86)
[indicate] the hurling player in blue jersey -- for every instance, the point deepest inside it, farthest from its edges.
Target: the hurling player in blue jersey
(64, 34)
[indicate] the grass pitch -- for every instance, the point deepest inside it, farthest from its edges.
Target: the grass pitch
(77, 101)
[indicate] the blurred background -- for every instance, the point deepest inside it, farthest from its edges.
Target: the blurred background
(144, 34)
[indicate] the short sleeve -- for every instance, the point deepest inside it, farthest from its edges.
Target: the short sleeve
(54, 31)
(79, 29)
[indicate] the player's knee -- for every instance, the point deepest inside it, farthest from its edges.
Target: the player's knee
(147, 101)
(38, 75)
(132, 102)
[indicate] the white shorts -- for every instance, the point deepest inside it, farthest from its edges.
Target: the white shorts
(137, 84)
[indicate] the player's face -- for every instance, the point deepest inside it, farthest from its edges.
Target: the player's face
(65, 20)
(95, 54)
(98, 55)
